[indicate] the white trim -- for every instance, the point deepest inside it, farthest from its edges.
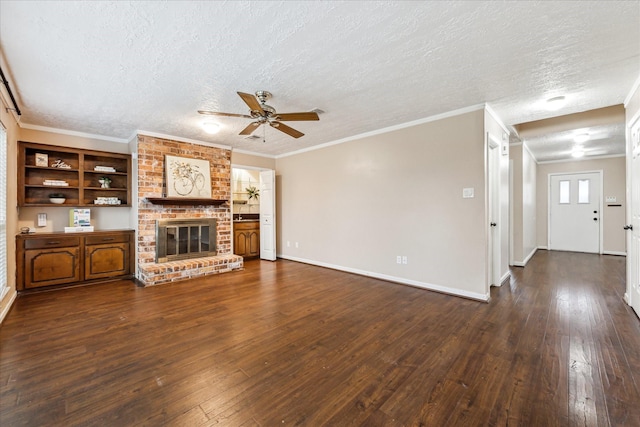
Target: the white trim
(526, 147)
(542, 248)
(582, 159)
(415, 283)
(515, 144)
(73, 133)
(626, 298)
(453, 113)
(495, 117)
(253, 153)
(7, 307)
(618, 253)
(505, 277)
(634, 88)
(179, 139)
(526, 260)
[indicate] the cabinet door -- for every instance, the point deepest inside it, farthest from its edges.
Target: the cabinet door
(51, 267)
(253, 243)
(106, 260)
(240, 243)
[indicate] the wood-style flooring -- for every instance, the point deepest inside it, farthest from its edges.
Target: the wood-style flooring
(285, 343)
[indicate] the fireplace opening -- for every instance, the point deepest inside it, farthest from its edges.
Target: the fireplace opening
(185, 238)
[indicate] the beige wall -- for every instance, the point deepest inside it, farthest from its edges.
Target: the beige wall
(111, 218)
(243, 159)
(12, 200)
(358, 205)
(614, 180)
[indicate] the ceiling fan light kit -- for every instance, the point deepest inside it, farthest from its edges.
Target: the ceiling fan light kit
(263, 114)
(210, 127)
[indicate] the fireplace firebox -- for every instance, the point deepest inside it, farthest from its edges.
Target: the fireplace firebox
(178, 239)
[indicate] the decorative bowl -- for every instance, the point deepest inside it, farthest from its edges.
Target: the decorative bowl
(57, 200)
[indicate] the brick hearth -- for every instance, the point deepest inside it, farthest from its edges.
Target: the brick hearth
(151, 183)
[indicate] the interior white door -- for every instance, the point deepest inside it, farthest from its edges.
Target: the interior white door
(494, 210)
(575, 212)
(633, 249)
(268, 215)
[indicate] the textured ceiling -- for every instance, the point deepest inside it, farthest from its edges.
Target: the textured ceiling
(111, 68)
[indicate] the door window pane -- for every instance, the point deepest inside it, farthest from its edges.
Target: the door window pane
(564, 192)
(583, 191)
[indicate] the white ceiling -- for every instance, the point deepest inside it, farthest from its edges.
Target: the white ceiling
(112, 68)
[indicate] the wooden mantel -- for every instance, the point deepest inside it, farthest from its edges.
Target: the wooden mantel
(185, 201)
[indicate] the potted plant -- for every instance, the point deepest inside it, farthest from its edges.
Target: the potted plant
(253, 193)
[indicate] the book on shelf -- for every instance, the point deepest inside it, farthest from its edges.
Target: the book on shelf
(80, 218)
(83, 229)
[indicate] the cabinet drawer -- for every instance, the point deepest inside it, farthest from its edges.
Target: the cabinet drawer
(254, 225)
(51, 242)
(108, 238)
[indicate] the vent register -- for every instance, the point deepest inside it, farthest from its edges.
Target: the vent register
(178, 239)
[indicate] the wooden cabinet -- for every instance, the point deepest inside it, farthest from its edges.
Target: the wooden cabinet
(63, 258)
(73, 173)
(246, 238)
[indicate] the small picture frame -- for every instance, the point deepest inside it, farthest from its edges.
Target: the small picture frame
(42, 159)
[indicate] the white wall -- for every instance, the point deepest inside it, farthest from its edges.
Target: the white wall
(356, 206)
(529, 195)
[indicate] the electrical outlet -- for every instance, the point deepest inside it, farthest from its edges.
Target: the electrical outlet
(404, 259)
(399, 259)
(296, 244)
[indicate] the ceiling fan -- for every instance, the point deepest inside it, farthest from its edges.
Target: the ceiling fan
(266, 114)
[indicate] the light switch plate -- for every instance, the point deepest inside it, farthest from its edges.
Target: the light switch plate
(42, 220)
(467, 193)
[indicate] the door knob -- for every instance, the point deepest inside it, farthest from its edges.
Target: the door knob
(493, 224)
(628, 227)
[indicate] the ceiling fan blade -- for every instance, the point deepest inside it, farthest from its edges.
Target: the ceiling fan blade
(311, 115)
(251, 101)
(286, 129)
(215, 113)
(249, 129)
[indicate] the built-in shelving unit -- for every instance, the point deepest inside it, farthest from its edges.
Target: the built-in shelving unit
(75, 174)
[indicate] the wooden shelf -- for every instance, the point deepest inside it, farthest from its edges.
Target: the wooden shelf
(185, 201)
(35, 165)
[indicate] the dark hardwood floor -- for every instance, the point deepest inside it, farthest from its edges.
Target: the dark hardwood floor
(291, 344)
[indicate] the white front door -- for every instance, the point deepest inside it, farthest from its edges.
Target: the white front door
(575, 212)
(268, 215)
(633, 246)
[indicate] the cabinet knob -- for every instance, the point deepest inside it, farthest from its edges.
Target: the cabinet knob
(53, 242)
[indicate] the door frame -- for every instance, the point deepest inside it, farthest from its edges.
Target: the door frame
(600, 205)
(255, 168)
(494, 234)
(632, 292)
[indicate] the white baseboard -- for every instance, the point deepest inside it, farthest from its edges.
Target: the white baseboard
(527, 259)
(415, 283)
(544, 248)
(614, 253)
(7, 307)
(504, 278)
(626, 298)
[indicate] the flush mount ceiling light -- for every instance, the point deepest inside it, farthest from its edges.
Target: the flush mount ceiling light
(577, 152)
(581, 137)
(211, 127)
(555, 102)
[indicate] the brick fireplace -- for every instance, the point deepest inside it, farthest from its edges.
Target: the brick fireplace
(151, 184)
